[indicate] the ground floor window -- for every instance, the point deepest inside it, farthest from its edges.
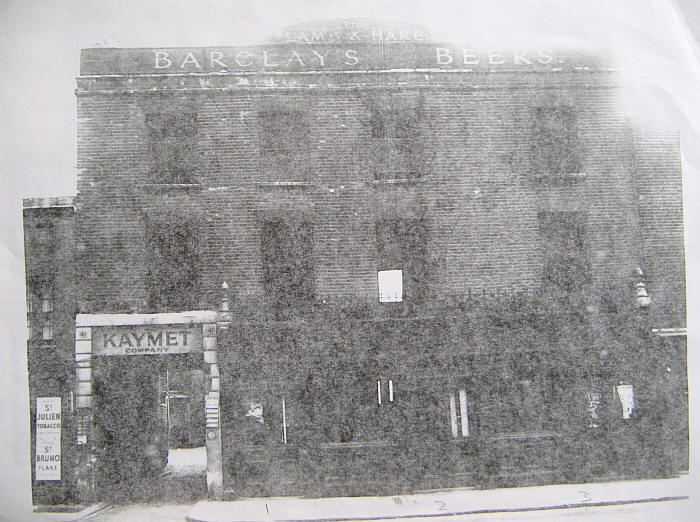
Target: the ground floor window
(459, 414)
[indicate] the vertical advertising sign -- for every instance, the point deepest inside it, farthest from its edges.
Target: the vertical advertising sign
(48, 438)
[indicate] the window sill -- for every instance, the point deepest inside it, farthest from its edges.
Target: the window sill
(397, 181)
(284, 184)
(524, 435)
(561, 178)
(170, 188)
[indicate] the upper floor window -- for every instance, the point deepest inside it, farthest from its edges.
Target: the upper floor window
(284, 145)
(47, 333)
(396, 137)
(283, 131)
(555, 142)
(41, 239)
(395, 122)
(46, 303)
(565, 264)
(287, 255)
(173, 266)
(172, 144)
(402, 259)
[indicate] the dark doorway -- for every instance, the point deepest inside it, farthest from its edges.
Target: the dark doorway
(131, 428)
(182, 395)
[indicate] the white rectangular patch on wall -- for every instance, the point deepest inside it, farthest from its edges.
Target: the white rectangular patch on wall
(390, 286)
(625, 393)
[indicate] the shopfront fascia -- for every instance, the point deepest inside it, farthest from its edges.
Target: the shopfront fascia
(144, 335)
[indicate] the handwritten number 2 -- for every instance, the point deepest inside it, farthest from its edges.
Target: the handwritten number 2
(443, 506)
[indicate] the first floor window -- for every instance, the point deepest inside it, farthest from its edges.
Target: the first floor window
(402, 259)
(288, 268)
(47, 333)
(174, 265)
(565, 258)
(46, 304)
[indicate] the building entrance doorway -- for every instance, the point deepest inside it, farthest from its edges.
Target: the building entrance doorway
(182, 405)
(147, 400)
(149, 427)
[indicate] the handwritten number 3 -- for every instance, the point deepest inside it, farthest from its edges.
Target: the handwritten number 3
(586, 496)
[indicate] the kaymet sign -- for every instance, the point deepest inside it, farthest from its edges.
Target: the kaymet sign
(48, 438)
(146, 340)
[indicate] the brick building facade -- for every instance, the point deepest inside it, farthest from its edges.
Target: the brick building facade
(437, 257)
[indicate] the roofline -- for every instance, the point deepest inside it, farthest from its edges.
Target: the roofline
(49, 202)
(170, 318)
(670, 332)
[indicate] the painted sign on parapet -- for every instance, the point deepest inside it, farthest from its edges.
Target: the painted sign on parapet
(409, 55)
(48, 438)
(146, 340)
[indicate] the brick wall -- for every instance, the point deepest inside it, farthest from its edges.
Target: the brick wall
(659, 189)
(478, 192)
(49, 265)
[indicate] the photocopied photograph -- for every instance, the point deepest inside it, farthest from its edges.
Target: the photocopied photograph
(302, 261)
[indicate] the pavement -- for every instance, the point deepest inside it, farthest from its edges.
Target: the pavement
(451, 503)
(66, 513)
(630, 500)
(668, 499)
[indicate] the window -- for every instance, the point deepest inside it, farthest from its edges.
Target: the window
(46, 304)
(173, 266)
(396, 142)
(511, 396)
(459, 414)
(398, 123)
(172, 144)
(283, 131)
(47, 333)
(555, 145)
(42, 239)
(287, 254)
(389, 396)
(402, 259)
(565, 266)
(45, 233)
(284, 145)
